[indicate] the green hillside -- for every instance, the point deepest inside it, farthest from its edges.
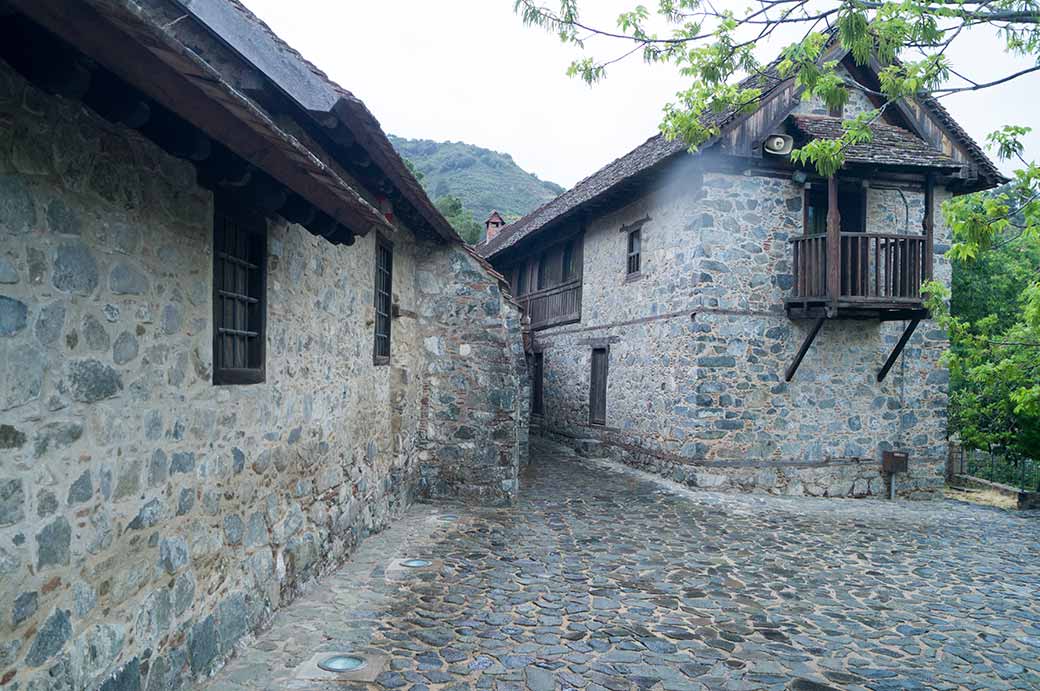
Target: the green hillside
(482, 179)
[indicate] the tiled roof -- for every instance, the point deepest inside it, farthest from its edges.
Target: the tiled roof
(891, 145)
(364, 126)
(653, 151)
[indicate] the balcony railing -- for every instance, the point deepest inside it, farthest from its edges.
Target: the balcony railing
(873, 267)
(553, 306)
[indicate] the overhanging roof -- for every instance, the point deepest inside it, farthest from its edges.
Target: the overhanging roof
(118, 36)
(309, 87)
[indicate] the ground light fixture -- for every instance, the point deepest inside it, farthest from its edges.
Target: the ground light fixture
(342, 663)
(416, 563)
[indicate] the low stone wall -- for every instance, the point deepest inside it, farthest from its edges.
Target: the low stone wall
(476, 395)
(849, 478)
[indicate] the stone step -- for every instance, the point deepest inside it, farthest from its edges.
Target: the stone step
(588, 448)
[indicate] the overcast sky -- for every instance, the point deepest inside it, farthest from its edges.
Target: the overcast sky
(468, 70)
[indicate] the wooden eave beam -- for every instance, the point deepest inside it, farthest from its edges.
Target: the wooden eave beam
(122, 41)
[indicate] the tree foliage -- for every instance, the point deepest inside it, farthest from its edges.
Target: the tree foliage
(993, 317)
(994, 324)
(468, 228)
(712, 46)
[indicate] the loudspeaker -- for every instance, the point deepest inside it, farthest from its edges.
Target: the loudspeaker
(778, 144)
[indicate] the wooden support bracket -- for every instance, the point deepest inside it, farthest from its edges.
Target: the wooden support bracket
(793, 367)
(907, 333)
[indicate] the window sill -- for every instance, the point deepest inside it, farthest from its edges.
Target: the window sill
(631, 278)
(381, 360)
(238, 377)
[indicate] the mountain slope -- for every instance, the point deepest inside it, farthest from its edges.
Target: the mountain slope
(484, 180)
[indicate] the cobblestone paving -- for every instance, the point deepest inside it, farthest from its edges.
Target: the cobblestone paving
(603, 579)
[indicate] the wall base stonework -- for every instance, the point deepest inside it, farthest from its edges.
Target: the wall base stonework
(849, 478)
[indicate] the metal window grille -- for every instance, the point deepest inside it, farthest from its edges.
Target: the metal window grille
(634, 242)
(383, 298)
(239, 296)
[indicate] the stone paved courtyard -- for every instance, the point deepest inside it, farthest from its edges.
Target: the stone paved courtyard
(601, 578)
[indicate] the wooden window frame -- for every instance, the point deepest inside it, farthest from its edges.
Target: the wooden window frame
(538, 384)
(542, 271)
(520, 286)
(567, 270)
(232, 223)
(634, 257)
(380, 358)
(593, 421)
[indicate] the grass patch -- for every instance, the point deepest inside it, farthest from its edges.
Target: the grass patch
(983, 497)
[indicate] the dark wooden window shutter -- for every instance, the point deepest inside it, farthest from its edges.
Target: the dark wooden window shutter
(383, 300)
(239, 295)
(598, 388)
(635, 240)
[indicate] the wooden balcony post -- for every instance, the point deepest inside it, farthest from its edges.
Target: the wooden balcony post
(833, 245)
(929, 225)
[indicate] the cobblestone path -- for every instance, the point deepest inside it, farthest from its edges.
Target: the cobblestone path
(602, 579)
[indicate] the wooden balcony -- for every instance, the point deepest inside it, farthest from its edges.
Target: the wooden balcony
(878, 276)
(553, 306)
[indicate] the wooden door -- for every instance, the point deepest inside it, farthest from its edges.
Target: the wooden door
(598, 388)
(537, 374)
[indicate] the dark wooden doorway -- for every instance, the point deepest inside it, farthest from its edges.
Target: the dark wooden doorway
(598, 388)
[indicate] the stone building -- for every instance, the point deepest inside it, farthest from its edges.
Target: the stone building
(703, 315)
(235, 338)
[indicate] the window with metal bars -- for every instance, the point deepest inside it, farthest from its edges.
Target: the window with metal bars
(239, 295)
(383, 300)
(634, 243)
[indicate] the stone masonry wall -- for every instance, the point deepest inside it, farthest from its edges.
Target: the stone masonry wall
(149, 519)
(699, 345)
(476, 397)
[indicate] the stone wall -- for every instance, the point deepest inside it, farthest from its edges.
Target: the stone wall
(475, 428)
(699, 345)
(149, 519)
